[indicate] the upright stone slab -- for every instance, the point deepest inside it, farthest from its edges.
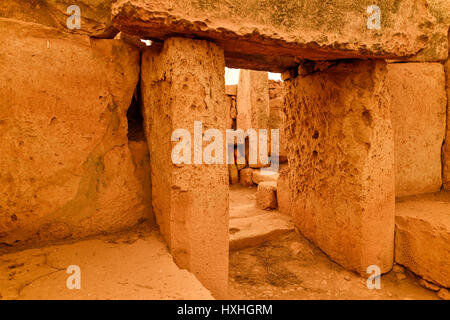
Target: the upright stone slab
(183, 83)
(341, 163)
(446, 148)
(253, 108)
(419, 103)
(277, 117)
(67, 168)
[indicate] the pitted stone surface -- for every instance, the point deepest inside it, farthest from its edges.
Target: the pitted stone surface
(271, 35)
(341, 163)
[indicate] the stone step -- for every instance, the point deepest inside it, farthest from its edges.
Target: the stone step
(422, 236)
(252, 231)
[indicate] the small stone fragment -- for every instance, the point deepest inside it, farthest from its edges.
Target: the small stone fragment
(266, 195)
(444, 294)
(429, 285)
(246, 177)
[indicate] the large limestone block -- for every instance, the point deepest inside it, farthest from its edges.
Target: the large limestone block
(446, 147)
(181, 84)
(66, 169)
(441, 10)
(253, 111)
(252, 101)
(422, 236)
(418, 105)
(283, 191)
(95, 14)
(341, 163)
(277, 117)
(258, 176)
(270, 35)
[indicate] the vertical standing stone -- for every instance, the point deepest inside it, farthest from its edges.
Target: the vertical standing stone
(283, 191)
(277, 116)
(446, 148)
(419, 105)
(253, 108)
(183, 83)
(341, 163)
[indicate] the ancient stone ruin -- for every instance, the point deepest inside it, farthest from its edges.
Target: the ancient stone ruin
(93, 95)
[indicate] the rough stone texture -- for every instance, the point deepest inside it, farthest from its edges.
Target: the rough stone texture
(277, 117)
(183, 83)
(230, 122)
(231, 90)
(242, 165)
(253, 109)
(429, 285)
(283, 191)
(418, 101)
(444, 294)
(66, 166)
(95, 15)
(258, 177)
(246, 177)
(422, 236)
(270, 35)
(254, 230)
(446, 147)
(266, 195)
(440, 9)
(131, 40)
(341, 163)
(233, 174)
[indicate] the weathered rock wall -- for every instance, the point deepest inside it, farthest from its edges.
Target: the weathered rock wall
(446, 147)
(95, 15)
(341, 162)
(418, 105)
(67, 169)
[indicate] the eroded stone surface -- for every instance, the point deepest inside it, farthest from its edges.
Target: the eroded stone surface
(246, 177)
(66, 166)
(95, 15)
(258, 176)
(422, 236)
(268, 35)
(233, 174)
(418, 101)
(253, 109)
(446, 147)
(283, 191)
(277, 117)
(252, 231)
(266, 195)
(341, 163)
(183, 83)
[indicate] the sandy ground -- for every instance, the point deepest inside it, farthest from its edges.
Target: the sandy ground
(293, 268)
(129, 265)
(135, 264)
